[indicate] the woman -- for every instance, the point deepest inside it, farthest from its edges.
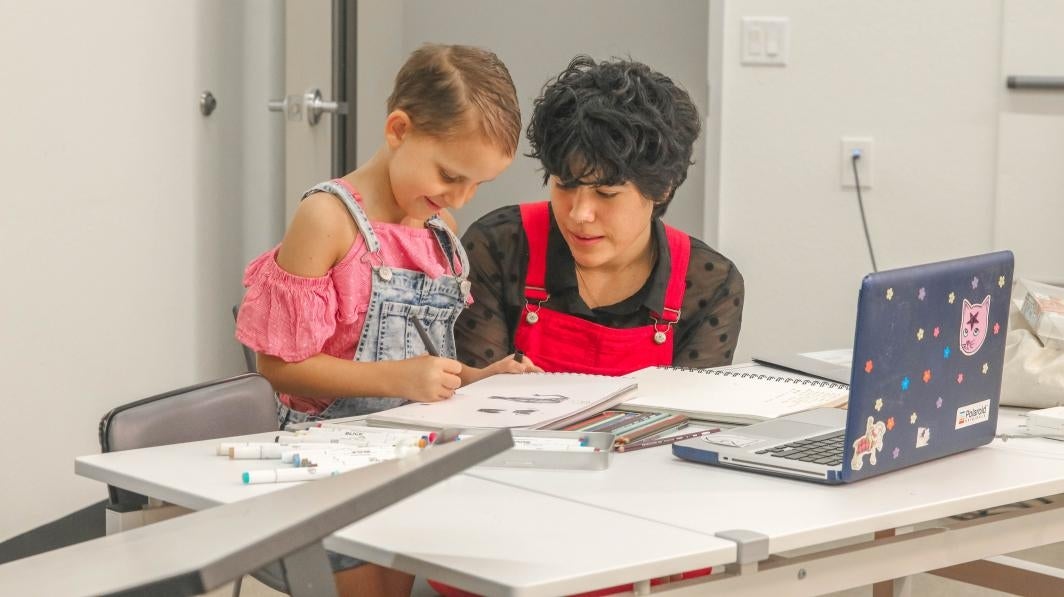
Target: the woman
(593, 281)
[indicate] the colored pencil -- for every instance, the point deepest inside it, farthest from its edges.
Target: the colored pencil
(662, 441)
(654, 428)
(590, 422)
(636, 424)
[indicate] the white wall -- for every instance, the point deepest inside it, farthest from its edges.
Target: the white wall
(123, 232)
(536, 40)
(923, 79)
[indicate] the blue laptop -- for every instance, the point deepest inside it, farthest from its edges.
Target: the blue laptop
(929, 347)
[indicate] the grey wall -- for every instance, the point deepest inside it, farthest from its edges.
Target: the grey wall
(536, 41)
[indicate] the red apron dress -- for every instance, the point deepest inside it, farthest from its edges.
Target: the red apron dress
(561, 342)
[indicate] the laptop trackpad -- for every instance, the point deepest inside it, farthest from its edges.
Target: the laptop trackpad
(784, 429)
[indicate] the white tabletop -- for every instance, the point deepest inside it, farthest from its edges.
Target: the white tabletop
(474, 533)
(655, 485)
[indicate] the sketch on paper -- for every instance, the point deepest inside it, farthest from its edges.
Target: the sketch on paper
(534, 398)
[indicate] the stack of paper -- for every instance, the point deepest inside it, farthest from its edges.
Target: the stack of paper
(526, 401)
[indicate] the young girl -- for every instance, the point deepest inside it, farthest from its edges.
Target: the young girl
(330, 311)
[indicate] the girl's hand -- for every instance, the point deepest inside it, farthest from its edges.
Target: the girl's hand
(427, 378)
(506, 364)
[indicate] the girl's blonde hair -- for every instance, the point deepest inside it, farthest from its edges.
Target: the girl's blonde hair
(447, 89)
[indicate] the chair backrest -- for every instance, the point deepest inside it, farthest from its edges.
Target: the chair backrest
(249, 355)
(233, 406)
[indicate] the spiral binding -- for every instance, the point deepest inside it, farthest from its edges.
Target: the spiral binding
(813, 383)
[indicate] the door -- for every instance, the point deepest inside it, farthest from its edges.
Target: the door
(314, 106)
(1030, 184)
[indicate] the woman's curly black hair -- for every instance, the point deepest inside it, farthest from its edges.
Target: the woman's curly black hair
(612, 122)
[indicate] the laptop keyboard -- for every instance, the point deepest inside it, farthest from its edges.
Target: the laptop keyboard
(825, 449)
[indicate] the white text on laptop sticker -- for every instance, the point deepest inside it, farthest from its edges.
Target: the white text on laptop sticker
(973, 413)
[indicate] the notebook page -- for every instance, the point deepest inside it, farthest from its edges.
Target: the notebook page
(530, 400)
(745, 392)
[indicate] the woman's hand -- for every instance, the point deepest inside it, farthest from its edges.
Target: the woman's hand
(508, 364)
(427, 378)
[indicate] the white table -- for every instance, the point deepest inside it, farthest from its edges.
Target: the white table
(518, 532)
(473, 533)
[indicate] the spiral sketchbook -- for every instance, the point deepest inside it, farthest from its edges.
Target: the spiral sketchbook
(744, 393)
(524, 401)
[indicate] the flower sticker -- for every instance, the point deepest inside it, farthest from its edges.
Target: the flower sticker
(890, 294)
(945, 352)
(1001, 281)
(960, 378)
(935, 332)
(952, 297)
(879, 404)
(912, 419)
(938, 403)
(927, 375)
(890, 424)
(896, 451)
(921, 293)
(975, 282)
(986, 367)
(919, 334)
(997, 328)
(904, 383)
(868, 366)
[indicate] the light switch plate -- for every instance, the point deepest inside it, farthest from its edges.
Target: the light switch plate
(765, 41)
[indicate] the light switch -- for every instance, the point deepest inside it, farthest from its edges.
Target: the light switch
(765, 40)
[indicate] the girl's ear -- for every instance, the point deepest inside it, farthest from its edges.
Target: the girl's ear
(396, 127)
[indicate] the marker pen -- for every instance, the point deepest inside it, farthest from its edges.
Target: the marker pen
(223, 448)
(256, 452)
(291, 475)
(300, 457)
(342, 461)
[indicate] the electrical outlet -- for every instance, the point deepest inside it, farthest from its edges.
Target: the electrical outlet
(864, 164)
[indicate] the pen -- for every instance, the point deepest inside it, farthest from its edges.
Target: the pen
(650, 443)
(429, 346)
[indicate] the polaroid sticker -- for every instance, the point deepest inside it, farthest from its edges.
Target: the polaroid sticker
(973, 414)
(923, 435)
(732, 441)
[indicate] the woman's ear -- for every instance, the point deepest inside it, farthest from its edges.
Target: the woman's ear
(396, 127)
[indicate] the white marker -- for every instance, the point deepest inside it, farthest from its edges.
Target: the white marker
(329, 440)
(383, 452)
(291, 475)
(223, 448)
(256, 452)
(342, 461)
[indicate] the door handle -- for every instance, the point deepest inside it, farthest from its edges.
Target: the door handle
(1034, 82)
(310, 102)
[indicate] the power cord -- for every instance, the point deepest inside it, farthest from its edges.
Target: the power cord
(854, 156)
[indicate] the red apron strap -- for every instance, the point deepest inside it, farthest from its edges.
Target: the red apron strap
(535, 217)
(679, 257)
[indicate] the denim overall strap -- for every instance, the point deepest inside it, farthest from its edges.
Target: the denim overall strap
(450, 245)
(357, 213)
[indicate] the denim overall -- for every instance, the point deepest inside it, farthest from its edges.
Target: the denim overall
(397, 295)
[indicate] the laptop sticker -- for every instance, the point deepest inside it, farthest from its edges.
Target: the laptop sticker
(972, 414)
(974, 319)
(869, 443)
(923, 435)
